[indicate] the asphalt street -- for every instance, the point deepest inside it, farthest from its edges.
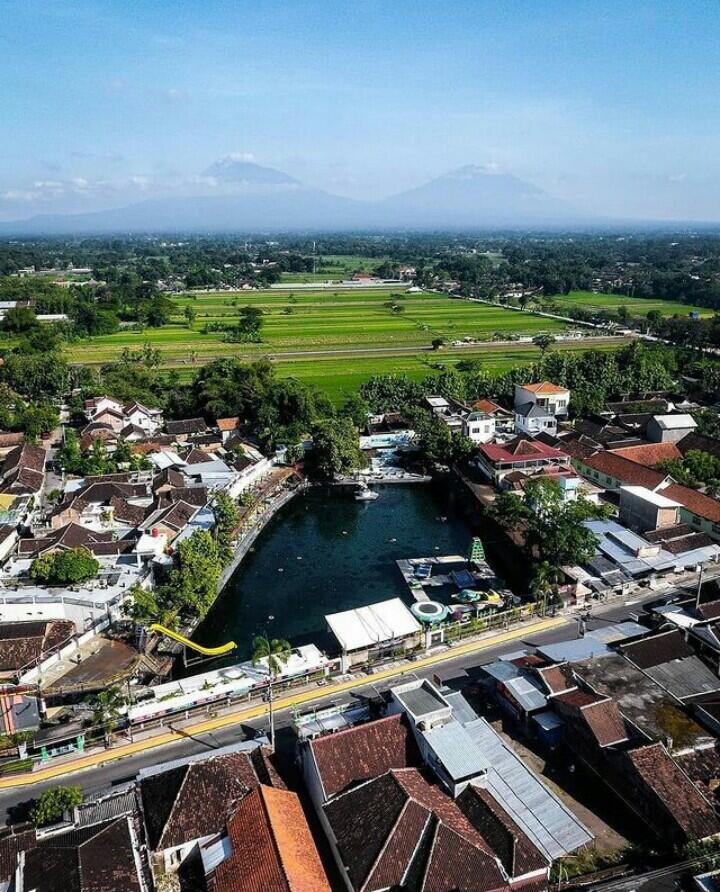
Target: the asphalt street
(459, 670)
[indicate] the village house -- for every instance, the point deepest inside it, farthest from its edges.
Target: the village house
(522, 454)
(669, 428)
(555, 400)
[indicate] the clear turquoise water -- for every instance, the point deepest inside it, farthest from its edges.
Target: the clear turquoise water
(326, 552)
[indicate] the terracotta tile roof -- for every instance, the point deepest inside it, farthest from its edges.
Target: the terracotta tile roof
(675, 792)
(189, 801)
(657, 649)
(272, 847)
(605, 722)
(398, 829)
(649, 454)
(345, 758)
(578, 698)
(694, 501)
(196, 456)
(101, 859)
(168, 477)
(72, 535)
(228, 424)
(23, 469)
(8, 438)
(624, 470)
(557, 679)
(13, 840)
(544, 388)
(489, 407)
(519, 450)
(132, 514)
(23, 642)
(518, 854)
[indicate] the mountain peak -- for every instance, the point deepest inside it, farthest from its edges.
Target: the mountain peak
(238, 171)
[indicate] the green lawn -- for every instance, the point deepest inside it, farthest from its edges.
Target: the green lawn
(637, 306)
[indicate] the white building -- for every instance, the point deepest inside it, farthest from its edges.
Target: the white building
(369, 632)
(546, 395)
(479, 427)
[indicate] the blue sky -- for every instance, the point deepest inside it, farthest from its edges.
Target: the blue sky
(613, 106)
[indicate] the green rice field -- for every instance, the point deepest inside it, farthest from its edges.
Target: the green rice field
(319, 320)
(331, 267)
(339, 338)
(637, 306)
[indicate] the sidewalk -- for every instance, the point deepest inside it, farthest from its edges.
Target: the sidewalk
(160, 737)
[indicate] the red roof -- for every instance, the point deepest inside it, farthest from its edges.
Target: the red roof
(624, 470)
(272, 847)
(228, 424)
(649, 454)
(694, 501)
(544, 388)
(489, 407)
(520, 450)
(344, 758)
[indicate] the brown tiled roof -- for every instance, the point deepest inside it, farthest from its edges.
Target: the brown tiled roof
(709, 610)
(194, 800)
(25, 456)
(657, 649)
(557, 678)
(518, 854)
(544, 387)
(398, 829)
(272, 847)
(228, 424)
(699, 443)
(345, 758)
(577, 449)
(101, 860)
(673, 532)
(169, 477)
(675, 792)
(196, 456)
(649, 454)
(177, 515)
(72, 535)
(133, 514)
(193, 495)
(702, 765)
(489, 407)
(687, 543)
(8, 438)
(624, 470)
(22, 643)
(578, 698)
(186, 426)
(605, 722)
(695, 502)
(13, 840)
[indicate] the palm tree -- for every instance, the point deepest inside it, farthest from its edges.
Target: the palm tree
(545, 582)
(106, 709)
(276, 653)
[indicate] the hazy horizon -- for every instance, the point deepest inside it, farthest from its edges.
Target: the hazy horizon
(609, 109)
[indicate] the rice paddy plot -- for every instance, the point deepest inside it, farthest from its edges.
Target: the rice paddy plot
(637, 306)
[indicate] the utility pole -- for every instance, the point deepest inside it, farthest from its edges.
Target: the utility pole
(272, 715)
(699, 587)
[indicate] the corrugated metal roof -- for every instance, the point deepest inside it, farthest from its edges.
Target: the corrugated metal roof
(461, 709)
(528, 695)
(456, 751)
(501, 670)
(107, 808)
(574, 651)
(687, 677)
(617, 632)
(545, 819)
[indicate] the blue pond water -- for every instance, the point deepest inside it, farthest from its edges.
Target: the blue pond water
(326, 552)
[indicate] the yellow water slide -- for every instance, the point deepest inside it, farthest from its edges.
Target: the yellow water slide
(207, 651)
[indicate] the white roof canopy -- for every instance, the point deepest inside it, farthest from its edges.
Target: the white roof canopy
(374, 624)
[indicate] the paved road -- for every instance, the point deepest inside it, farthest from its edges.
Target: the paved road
(460, 668)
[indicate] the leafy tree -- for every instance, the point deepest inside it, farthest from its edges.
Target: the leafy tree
(193, 582)
(250, 320)
(146, 606)
(391, 393)
(190, 315)
(356, 409)
(18, 320)
(543, 342)
(68, 567)
(437, 444)
(53, 803)
(336, 449)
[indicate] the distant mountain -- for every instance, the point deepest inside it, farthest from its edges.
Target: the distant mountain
(246, 173)
(246, 197)
(473, 197)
